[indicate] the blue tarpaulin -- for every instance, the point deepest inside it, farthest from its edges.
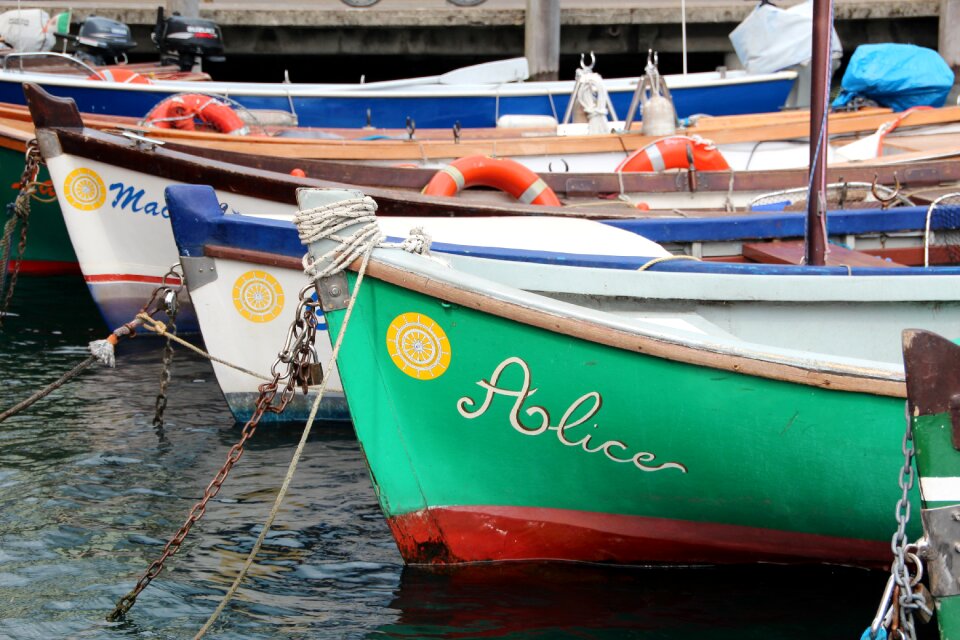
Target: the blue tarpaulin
(898, 76)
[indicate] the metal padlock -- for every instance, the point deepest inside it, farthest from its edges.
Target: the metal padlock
(314, 374)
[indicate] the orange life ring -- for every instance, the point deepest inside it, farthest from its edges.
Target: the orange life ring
(675, 152)
(178, 112)
(120, 75)
(500, 173)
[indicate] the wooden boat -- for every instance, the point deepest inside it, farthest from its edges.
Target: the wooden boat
(491, 472)
(430, 102)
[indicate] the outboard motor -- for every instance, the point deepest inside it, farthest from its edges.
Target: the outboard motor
(101, 41)
(187, 42)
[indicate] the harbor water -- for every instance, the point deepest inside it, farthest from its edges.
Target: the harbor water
(90, 491)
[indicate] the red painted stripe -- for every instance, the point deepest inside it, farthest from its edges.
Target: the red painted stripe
(444, 535)
(46, 267)
(129, 277)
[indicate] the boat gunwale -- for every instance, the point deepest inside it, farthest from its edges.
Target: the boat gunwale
(706, 79)
(553, 316)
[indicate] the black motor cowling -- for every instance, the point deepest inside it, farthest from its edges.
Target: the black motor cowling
(187, 42)
(102, 41)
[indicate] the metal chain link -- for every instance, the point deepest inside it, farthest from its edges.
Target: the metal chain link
(21, 214)
(295, 358)
(900, 602)
(171, 306)
(909, 601)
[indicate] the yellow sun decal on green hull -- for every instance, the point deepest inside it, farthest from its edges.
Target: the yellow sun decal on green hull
(258, 296)
(84, 189)
(418, 346)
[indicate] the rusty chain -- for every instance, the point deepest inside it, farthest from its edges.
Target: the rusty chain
(297, 357)
(20, 212)
(171, 305)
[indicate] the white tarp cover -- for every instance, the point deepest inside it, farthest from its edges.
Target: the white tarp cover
(771, 39)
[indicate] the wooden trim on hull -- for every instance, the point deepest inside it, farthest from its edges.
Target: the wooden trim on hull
(445, 535)
(253, 257)
(852, 380)
(588, 185)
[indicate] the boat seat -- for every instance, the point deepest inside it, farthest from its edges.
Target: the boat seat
(792, 252)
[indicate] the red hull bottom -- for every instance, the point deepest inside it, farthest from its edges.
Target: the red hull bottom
(447, 535)
(46, 267)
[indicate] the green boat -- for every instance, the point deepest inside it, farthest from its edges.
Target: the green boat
(501, 425)
(48, 250)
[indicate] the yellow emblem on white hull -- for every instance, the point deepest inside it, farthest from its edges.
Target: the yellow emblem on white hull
(84, 189)
(258, 296)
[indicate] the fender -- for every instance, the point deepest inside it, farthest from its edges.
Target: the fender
(672, 153)
(500, 173)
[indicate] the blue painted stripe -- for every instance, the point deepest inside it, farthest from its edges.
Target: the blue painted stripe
(198, 220)
(786, 225)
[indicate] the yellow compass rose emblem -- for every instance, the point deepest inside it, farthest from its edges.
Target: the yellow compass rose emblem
(418, 346)
(258, 296)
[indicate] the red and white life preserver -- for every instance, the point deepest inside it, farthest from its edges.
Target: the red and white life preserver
(675, 152)
(125, 76)
(500, 173)
(178, 112)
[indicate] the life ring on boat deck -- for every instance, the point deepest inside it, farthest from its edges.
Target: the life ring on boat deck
(124, 76)
(178, 112)
(500, 173)
(675, 152)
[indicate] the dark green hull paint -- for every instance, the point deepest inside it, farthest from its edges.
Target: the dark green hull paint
(47, 238)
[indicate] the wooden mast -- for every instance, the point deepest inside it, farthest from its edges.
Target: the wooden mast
(819, 96)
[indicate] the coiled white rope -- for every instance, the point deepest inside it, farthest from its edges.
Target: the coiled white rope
(327, 221)
(593, 100)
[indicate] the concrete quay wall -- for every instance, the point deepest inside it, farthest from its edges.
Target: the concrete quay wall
(495, 27)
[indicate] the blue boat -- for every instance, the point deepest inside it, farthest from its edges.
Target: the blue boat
(472, 98)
